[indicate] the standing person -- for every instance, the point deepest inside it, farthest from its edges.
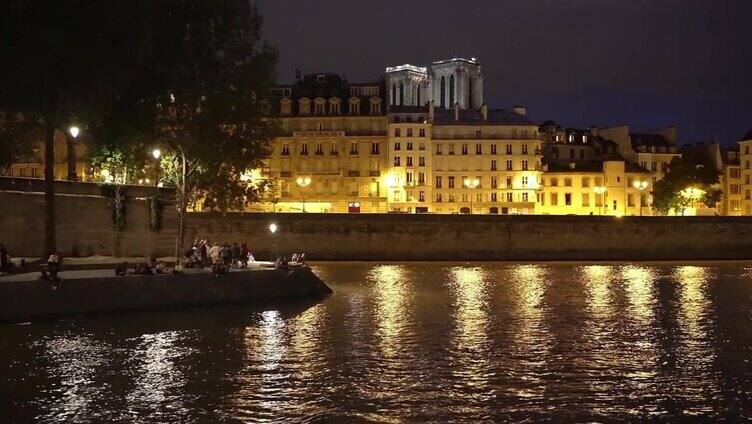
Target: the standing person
(4, 262)
(235, 254)
(202, 250)
(214, 253)
(224, 253)
(244, 254)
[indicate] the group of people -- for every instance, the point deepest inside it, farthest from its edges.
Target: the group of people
(203, 253)
(143, 268)
(297, 259)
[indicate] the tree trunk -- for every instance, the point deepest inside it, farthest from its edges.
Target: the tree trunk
(71, 157)
(50, 244)
(181, 215)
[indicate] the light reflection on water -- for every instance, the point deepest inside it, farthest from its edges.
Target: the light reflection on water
(410, 342)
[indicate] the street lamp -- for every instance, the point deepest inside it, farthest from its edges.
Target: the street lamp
(601, 190)
(156, 154)
(272, 230)
(640, 185)
(691, 193)
(471, 183)
(303, 182)
(71, 149)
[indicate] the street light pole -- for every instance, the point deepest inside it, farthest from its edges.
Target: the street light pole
(640, 185)
(71, 148)
(471, 183)
(272, 230)
(303, 182)
(601, 190)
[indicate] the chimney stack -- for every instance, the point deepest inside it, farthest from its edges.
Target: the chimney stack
(520, 110)
(484, 111)
(430, 111)
(594, 131)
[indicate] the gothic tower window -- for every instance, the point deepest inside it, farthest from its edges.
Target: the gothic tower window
(451, 91)
(402, 94)
(442, 97)
(470, 93)
(394, 93)
(417, 95)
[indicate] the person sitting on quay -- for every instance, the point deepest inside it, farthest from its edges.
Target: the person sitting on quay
(6, 265)
(214, 254)
(224, 254)
(244, 255)
(121, 269)
(142, 268)
(235, 255)
(161, 268)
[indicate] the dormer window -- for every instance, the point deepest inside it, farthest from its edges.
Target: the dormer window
(571, 138)
(354, 106)
(321, 78)
(334, 106)
(305, 106)
(320, 105)
(375, 106)
(285, 107)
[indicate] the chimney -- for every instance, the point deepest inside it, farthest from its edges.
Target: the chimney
(520, 110)
(456, 111)
(670, 134)
(484, 111)
(430, 111)
(594, 131)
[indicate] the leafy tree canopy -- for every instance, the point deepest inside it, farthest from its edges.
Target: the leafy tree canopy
(673, 192)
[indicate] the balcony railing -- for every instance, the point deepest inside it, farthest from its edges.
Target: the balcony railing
(510, 136)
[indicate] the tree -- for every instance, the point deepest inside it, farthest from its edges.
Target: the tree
(65, 63)
(686, 182)
(202, 76)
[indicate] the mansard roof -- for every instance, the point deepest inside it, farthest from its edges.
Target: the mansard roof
(475, 117)
(748, 135)
(649, 140)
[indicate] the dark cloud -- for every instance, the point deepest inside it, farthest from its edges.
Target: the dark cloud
(648, 63)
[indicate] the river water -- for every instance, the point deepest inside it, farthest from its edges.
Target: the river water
(410, 342)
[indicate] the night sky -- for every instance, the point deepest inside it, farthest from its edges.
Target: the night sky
(646, 63)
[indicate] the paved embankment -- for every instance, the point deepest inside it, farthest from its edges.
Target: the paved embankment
(24, 298)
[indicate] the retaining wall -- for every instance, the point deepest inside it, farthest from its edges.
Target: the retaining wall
(480, 237)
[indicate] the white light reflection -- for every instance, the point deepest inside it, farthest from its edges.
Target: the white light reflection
(471, 344)
(598, 281)
(391, 306)
(158, 380)
(639, 284)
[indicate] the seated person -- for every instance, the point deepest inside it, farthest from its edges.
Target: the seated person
(121, 269)
(161, 268)
(142, 268)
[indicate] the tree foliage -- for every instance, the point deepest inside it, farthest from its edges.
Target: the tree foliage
(670, 192)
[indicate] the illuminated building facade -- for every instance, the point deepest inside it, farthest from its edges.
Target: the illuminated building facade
(745, 168)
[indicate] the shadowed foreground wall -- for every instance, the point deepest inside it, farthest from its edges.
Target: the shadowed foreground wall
(480, 237)
(84, 226)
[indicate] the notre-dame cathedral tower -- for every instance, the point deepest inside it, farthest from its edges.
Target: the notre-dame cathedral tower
(446, 82)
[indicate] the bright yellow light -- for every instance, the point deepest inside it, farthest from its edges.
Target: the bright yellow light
(471, 182)
(693, 193)
(640, 185)
(272, 228)
(303, 181)
(105, 173)
(156, 153)
(391, 180)
(74, 131)
(599, 189)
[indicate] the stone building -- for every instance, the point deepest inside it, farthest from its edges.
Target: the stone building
(69, 156)
(331, 154)
(445, 82)
(745, 165)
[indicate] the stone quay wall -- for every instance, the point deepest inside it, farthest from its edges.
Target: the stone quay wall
(480, 237)
(84, 224)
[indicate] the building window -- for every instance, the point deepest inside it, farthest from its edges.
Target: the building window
(554, 199)
(422, 132)
(568, 199)
(396, 161)
(304, 148)
(397, 132)
(567, 182)
(409, 145)
(438, 182)
(464, 149)
(585, 199)
(374, 148)
(553, 182)
(421, 178)
(509, 165)
(524, 181)
(421, 196)
(397, 145)
(494, 198)
(451, 149)
(409, 177)
(319, 148)
(451, 182)
(493, 165)
(478, 134)
(442, 96)
(451, 197)
(409, 132)
(354, 148)
(524, 197)
(401, 94)
(524, 149)
(285, 149)
(438, 149)
(509, 149)
(585, 181)
(451, 91)
(421, 161)
(509, 197)
(571, 153)
(509, 182)
(524, 165)
(614, 204)
(478, 149)
(494, 183)
(493, 149)
(409, 160)
(438, 198)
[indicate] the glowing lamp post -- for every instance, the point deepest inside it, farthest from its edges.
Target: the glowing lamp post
(71, 148)
(156, 154)
(601, 190)
(272, 230)
(303, 182)
(471, 183)
(640, 185)
(691, 193)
